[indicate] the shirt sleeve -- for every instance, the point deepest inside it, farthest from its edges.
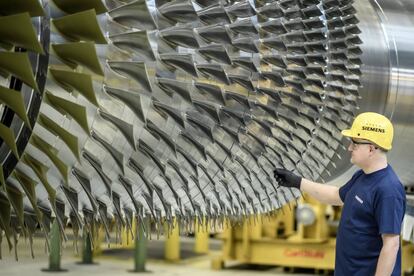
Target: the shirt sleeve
(348, 185)
(389, 213)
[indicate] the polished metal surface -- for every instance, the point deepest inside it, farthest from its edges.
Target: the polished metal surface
(387, 80)
(398, 26)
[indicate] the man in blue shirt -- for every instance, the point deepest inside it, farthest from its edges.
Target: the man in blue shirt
(368, 240)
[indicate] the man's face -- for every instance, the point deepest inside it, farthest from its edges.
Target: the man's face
(360, 150)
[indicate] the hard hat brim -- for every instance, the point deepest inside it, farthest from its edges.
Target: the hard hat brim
(347, 133)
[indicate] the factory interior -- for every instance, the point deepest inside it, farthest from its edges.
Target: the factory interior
(141, 136)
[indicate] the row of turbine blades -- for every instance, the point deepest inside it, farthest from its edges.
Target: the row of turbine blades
(167, 109)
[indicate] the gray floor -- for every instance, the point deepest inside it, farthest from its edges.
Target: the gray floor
(110, 264)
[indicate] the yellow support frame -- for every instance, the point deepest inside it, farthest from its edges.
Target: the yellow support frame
(260, 241)
(201, 237)
(172, 242)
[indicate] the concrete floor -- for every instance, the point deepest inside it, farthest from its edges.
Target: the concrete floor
(108, 264)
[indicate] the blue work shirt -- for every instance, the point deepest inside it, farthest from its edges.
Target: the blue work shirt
(374, 204)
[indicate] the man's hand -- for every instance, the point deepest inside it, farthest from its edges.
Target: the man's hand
(287, 178)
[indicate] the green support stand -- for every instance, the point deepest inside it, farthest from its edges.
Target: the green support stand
(54, 254)
(87, 253)
(140, 249)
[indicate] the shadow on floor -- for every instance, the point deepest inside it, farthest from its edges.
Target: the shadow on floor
(293, 271)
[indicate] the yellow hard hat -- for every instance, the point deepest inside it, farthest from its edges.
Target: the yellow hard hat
(373, 127)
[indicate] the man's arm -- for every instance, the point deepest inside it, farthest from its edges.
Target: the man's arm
(388, 254)
(324, 193)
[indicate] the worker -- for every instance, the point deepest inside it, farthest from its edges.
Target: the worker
(368, 238)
